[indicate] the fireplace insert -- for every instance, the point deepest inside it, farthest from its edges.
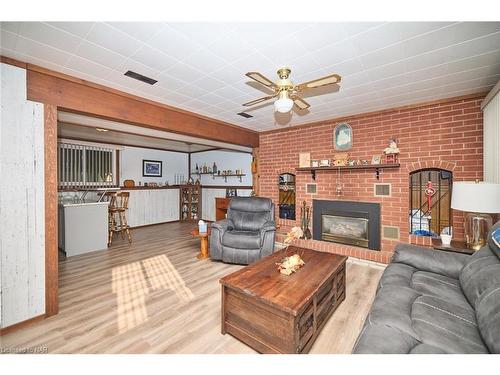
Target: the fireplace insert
(343, 229)
(347, 222)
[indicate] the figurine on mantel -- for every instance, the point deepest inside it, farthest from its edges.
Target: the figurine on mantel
(391, 152)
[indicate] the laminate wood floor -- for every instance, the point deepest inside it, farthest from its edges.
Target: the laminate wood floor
(154, 296)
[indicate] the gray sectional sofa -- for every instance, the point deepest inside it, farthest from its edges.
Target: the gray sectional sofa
(431, 301)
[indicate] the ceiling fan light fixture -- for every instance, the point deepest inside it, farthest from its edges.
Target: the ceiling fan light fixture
(284, 104)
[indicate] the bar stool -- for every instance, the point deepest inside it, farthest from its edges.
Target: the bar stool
(118, 205)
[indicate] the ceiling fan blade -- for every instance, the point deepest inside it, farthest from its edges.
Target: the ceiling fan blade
(323, 81)
(300, 103)
(256, 76)
(257, 101)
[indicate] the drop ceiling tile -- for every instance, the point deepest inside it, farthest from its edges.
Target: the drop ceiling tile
(142, 31)
(345, 68)
(80, 29)
(231, 92)
(176, 98)
(153, 58)
(12, 27)
(184, 72)
(173, 43)
(485, 59)
(456, 33)
(99, 54)
(320, 35)
(229, 74)
(41, 51)
(113, 39)
(50, 36)
(209, 83)
(168, 82)
(231, 48)
(194, 91)
(284, 51)
(354, 28)
(212, 99)
(86, 66)
(391, 33)
(205, 61)
(204, 34)
(262, 35)
(383, 56)
(335, 53)
(8, 40)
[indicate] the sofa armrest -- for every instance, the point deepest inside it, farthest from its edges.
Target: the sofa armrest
(268, 226)
(223, 225)
(442, 262)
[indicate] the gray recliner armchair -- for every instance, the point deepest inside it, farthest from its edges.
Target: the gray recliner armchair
(248, 232)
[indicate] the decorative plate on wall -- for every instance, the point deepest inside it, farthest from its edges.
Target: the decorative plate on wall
(342, 137)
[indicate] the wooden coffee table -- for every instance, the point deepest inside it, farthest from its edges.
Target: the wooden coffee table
(204, 253)
(275, 313)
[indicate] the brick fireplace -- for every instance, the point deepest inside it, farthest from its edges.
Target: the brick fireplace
(446, 134)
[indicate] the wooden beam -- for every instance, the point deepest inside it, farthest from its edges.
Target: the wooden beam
(79, 96)
(51, 250)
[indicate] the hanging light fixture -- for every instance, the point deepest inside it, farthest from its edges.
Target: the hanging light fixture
(284, 104)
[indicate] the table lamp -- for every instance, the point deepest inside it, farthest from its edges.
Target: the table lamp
(478, 200)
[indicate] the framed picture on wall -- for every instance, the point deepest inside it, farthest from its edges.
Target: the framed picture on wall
(151, 168)
(231, 193)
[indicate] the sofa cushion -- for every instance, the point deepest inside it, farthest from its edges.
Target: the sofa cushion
(383, 339)
(241, 239)
(480, 274)
(488, 316)
(434, 284)
(392, 307)
(445, 325)
(250, 213)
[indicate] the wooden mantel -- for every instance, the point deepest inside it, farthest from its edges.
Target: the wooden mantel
(79, 96)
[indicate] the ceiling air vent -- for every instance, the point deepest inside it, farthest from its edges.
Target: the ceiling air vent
(140, 77)
(245, 115)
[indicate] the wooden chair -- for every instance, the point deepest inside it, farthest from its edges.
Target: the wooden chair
(118, 205)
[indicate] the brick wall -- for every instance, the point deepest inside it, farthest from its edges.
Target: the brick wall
(445, 134)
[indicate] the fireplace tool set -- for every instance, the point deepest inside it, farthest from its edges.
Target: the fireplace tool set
(305, 220)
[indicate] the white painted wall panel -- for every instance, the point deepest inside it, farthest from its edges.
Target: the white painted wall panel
(153, 206)
(491, 160)
(22, 210)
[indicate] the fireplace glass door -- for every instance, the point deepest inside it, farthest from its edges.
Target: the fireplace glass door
(343, 229)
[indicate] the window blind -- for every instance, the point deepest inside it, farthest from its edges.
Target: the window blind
(83, 166)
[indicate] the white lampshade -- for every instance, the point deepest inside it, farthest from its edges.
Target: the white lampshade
(283, 105)
(480, 197)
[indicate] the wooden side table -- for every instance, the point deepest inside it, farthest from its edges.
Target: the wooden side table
(204, 253)
(455, 246)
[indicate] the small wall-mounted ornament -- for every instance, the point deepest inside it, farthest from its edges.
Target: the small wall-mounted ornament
(342, 137)
(392, 152)
(304, 159)
(341, 159)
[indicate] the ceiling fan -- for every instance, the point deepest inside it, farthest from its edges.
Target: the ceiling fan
(286, 92)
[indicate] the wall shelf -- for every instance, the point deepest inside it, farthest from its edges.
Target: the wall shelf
(376, 167)
(225, 176)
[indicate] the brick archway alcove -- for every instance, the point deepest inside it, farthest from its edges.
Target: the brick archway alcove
(419, 166)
